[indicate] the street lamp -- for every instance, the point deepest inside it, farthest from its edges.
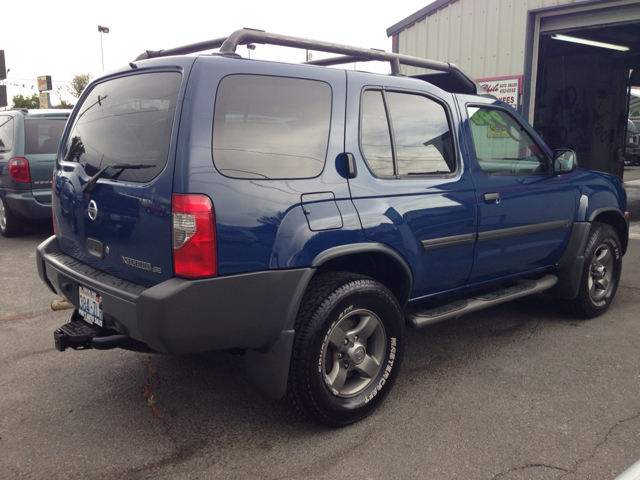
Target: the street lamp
(250, 46)
(102, 30)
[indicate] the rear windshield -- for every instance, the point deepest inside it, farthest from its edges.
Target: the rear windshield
(126, 120)
(271, 127)
(6, 133)
(43, 135)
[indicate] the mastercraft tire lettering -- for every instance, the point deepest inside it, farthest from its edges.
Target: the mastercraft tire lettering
(348, 348)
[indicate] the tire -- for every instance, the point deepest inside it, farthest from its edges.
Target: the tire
(10, 226)
(600, 274)
(336, 383)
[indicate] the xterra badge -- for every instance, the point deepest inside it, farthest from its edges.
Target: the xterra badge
(140, 264)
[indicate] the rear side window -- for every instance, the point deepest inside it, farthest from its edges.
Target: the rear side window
(271, 127)
(43, 135)
(404, 134)
(126, 120)
(6, 133)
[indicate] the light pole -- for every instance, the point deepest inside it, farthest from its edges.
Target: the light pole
(102, 30)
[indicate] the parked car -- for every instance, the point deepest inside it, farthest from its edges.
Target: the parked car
(28, 144)
(632, 146)
(313, 213)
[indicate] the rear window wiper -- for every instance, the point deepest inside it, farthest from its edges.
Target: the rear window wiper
(88, 187)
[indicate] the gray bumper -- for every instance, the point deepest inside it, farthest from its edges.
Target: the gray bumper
(185, 316)
(27, 205)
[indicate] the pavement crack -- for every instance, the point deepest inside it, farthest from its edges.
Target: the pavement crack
(25, 317)
(151, 401)
(603, 442)
(525, 467)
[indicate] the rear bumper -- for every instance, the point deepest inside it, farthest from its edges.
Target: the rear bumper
(184, 316)
(27, 205)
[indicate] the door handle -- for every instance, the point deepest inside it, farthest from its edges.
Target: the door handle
(492, 197)
(350, 165)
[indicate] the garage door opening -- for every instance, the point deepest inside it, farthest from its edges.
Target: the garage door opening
(582, 90)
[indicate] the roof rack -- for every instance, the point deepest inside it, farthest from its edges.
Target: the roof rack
(464, 83)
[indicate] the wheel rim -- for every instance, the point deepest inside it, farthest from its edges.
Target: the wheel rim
(353, 352)
(3, 216)
(601, 272)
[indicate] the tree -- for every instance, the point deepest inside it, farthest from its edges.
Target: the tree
(20, 101)
(78, 83)
(63, 104)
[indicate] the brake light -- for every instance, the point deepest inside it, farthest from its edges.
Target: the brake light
(19, 170)
(53, 215)
(193, 236)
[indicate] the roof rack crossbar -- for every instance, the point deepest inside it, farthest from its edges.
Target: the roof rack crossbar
(184, 50)
(349, 54)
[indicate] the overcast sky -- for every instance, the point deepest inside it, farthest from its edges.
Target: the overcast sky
(62, 38)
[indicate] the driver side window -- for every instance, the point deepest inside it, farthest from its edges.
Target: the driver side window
(503, 146)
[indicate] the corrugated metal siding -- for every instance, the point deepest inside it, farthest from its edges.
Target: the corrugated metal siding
(486, 38)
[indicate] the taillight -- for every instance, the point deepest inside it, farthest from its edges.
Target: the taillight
(53, 215)
(193, 236)
(19, 169)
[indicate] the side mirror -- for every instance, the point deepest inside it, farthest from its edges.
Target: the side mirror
(564, 161)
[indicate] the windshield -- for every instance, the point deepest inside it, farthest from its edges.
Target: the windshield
(126, 120)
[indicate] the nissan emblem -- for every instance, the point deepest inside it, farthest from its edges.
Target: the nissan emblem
(92, 210)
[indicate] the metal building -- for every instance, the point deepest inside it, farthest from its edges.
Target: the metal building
(566, 65)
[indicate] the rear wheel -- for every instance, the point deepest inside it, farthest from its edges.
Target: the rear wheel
(600, 274)
(348, 349)
(10, 226)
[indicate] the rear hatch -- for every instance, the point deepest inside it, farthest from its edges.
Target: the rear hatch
(42, 135)
(124, 128)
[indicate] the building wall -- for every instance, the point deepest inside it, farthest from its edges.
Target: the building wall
(486, 38)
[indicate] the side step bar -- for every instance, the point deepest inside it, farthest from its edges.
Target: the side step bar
(480, 302)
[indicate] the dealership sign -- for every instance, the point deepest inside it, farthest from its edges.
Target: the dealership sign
(507, 89)
(44, 83)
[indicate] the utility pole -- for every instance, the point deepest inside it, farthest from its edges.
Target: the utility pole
(102, 30)
(3, 75)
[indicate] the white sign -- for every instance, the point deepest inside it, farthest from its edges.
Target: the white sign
(506, 89)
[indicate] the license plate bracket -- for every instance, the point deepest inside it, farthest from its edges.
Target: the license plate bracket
(90, 305)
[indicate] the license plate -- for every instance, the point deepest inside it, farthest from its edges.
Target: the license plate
(90, 305)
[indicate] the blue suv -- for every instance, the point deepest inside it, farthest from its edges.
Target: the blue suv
(311, 214)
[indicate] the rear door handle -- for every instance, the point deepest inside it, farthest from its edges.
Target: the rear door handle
(492, 197)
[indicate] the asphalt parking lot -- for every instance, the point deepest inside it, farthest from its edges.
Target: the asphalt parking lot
(519, 391)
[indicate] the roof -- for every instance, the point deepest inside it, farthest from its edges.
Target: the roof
(439, 4)
(419, 15)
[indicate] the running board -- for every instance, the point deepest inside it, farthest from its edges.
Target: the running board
(480, 302)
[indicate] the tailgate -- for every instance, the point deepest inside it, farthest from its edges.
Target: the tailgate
(122, 223)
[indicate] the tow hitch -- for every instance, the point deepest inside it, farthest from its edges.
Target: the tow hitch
(80, 335)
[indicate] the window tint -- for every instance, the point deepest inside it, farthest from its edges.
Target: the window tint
(503, 146)
(6, 133)
(375, 137)
(421, 135)
(126, 120)
(421, 130)
(271, 127)
(43, 135)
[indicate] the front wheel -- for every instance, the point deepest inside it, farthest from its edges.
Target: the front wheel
(600, 274)
(348, 348)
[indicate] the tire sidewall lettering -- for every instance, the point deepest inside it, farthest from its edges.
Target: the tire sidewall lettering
(386, 372)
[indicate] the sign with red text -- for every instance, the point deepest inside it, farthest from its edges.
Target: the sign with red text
(507, 89)
(44, 83)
